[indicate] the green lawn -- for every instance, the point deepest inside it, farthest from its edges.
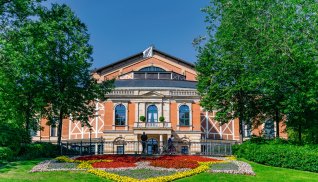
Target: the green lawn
(263, 173)
(18, 171)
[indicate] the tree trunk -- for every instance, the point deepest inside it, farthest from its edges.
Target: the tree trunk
(59, 129)
(299, 134)
(241, 129)
(277, 122)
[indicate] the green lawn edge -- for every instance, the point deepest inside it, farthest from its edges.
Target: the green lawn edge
(19, 171)
(263, 173)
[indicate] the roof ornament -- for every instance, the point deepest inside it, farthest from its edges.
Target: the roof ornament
(148, 52)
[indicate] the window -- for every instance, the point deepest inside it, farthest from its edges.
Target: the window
(152, 114)
(184, 150)
(152, 69)
(53, 131)
(120, 149)
(184, 115)
(247, 129)
(269, 129)
(120, 115)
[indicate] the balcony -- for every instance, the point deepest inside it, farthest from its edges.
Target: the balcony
(153, 125)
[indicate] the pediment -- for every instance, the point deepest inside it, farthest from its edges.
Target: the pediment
(137, 62)
(152, 94)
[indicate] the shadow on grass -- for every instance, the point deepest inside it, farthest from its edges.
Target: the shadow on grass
(16, 165)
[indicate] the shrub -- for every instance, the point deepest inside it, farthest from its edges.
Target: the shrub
(280, 155)
(142, 118)
(161, 119)
(10, 139)
(39, 149)
(6, 153)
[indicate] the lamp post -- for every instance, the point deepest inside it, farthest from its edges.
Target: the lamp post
(90, 141)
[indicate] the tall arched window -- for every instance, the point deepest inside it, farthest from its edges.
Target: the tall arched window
(152, 114)
(184, 115)
(120, 115)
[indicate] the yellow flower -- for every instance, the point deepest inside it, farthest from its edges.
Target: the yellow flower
(85, 165)
(231, 158)
(64, 159)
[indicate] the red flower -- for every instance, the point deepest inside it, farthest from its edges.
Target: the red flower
(174, 164)
(167, 161)
(112, 164)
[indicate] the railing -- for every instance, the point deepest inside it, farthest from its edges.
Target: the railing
(183, 93)
(152, 125)
(172, 93)
(136, 147)
(122, 92)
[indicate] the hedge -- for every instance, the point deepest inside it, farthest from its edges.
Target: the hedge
(279, 155)
(6, 154)
(38, 150)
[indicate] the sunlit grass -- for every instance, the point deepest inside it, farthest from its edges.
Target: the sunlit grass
(19, 171)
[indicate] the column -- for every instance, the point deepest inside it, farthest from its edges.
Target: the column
(161, 143)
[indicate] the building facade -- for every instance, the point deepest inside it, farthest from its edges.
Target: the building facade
(154, 93)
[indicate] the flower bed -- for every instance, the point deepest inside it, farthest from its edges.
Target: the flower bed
(112, 164)
(140, 168)
(174, 164)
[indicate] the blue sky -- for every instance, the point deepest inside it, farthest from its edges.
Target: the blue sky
(121, 28)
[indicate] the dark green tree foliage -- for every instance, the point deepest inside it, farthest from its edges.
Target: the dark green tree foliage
(261, 61)
(225, 69)
(45, 62)
(19, 88)
(71, 90)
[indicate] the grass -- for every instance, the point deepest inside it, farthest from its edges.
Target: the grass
(143, 173)
(263, 173)
(18, 171)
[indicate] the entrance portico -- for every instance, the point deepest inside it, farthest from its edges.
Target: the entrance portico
(159, 134)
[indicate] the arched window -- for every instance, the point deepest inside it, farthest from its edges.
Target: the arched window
(120, 115)
(184, 115)
(152, 114)
(152, 69)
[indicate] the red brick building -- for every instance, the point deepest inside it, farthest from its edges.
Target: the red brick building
(152, 84)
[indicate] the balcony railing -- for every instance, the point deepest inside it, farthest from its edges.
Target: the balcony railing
(152, 125)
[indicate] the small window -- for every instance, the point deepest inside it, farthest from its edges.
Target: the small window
(184, 150)
(247, 129)
(120, 115)
(165, 76)
(184, 115)
(120, 149)
(152, 76)
(269, 129)
(53, 131)
(139, 75)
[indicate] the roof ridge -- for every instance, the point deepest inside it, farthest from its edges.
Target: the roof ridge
(140, 54)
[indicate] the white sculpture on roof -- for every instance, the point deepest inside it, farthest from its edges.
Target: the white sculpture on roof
(148, 52)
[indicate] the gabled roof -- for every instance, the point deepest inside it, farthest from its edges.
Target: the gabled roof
(139, 56)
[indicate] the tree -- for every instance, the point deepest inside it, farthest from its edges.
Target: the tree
(19, 86)
(273, 43)
(225, 69)
(71, 89)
